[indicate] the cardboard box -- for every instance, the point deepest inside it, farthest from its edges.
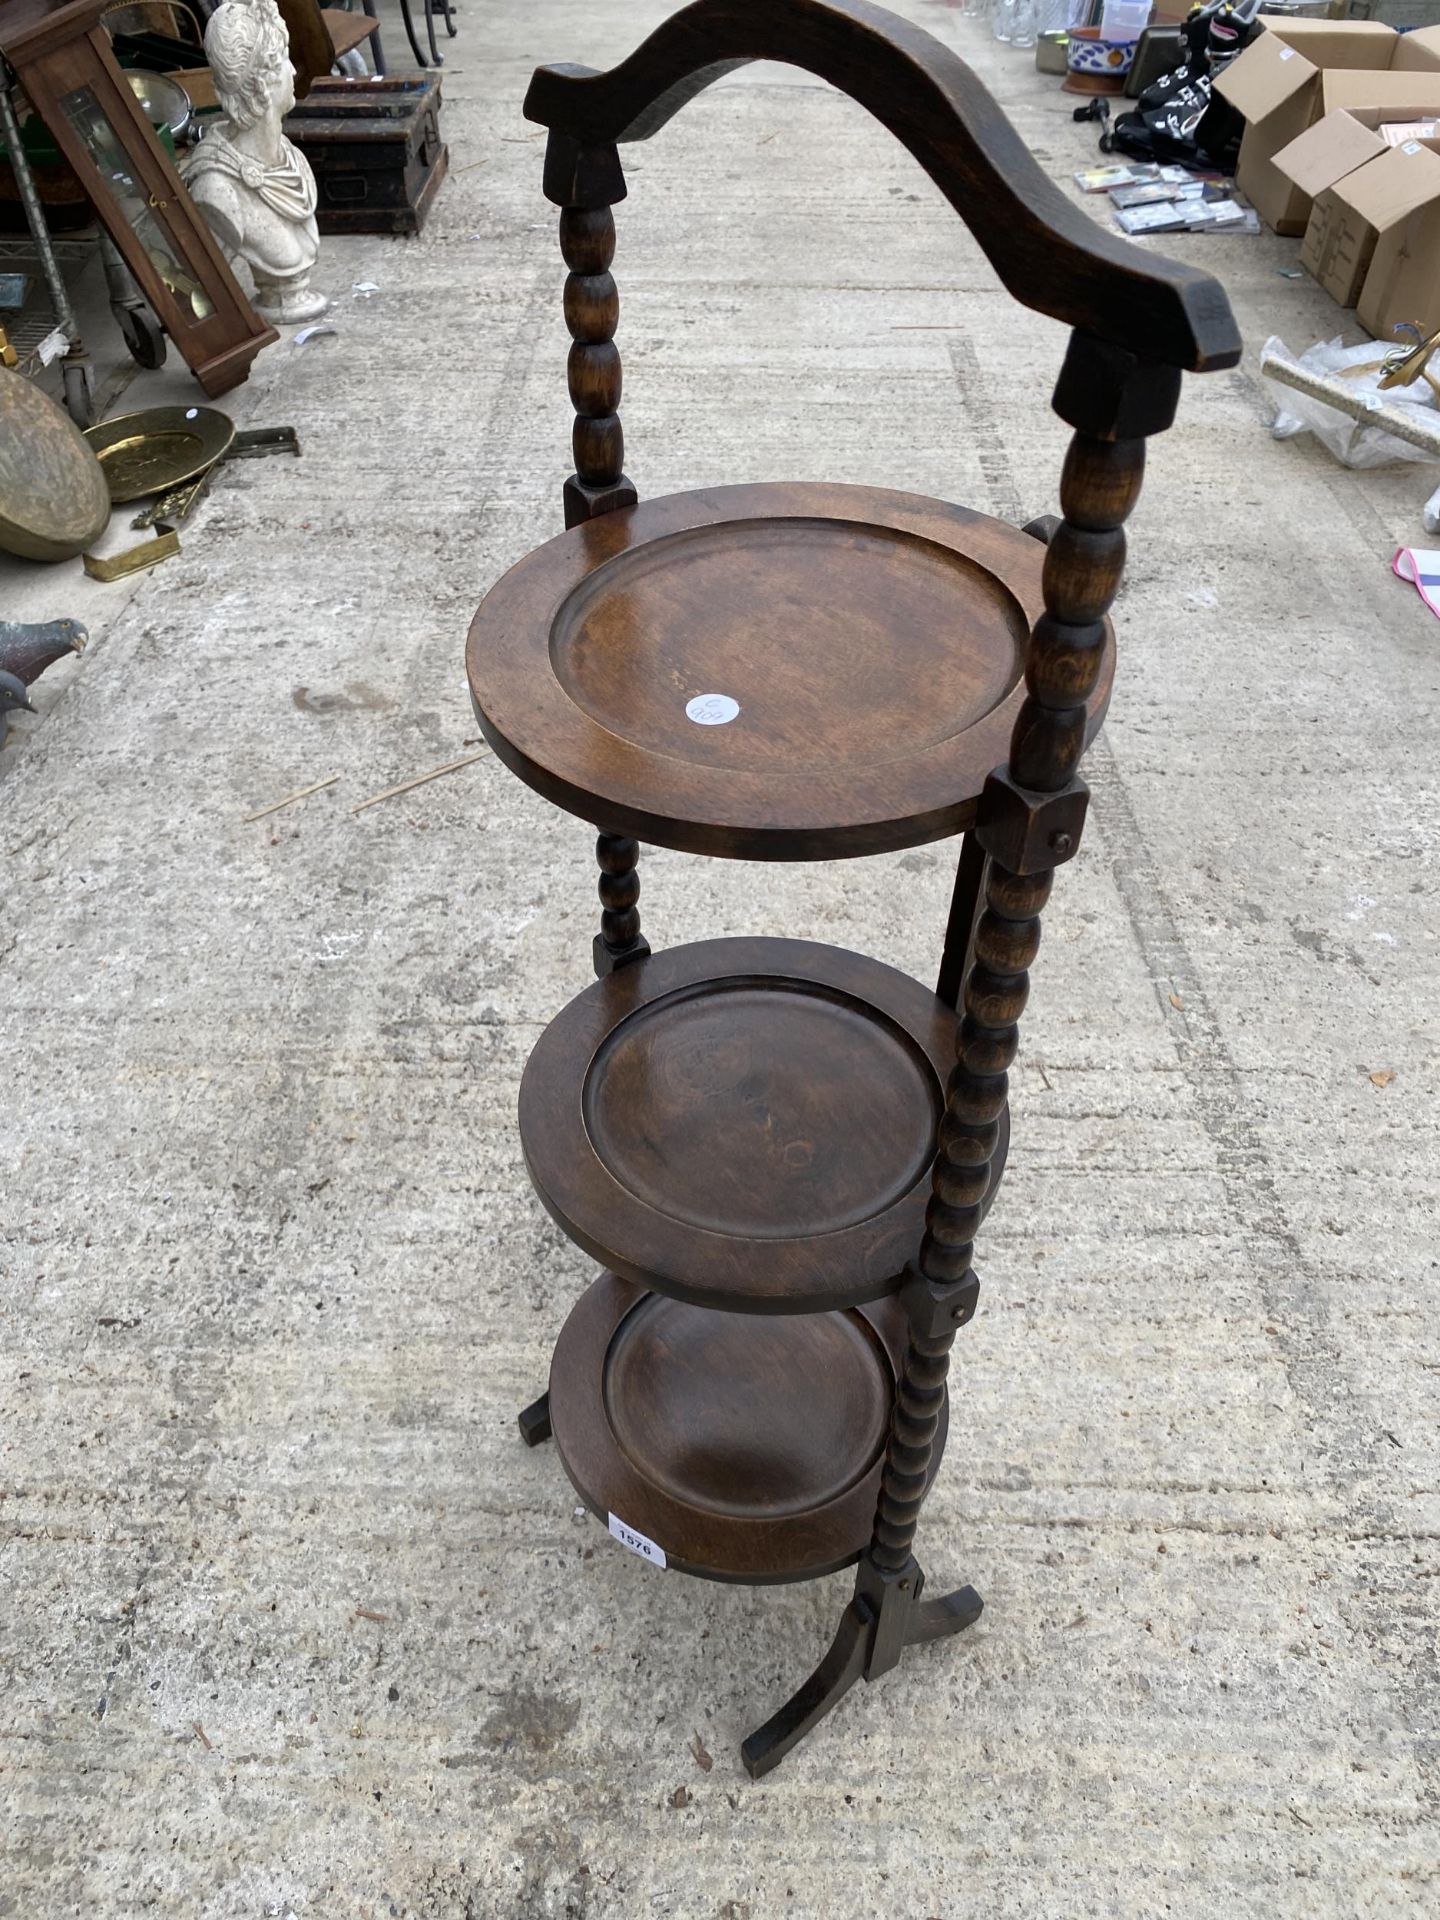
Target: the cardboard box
(1316, 162)
(1365, 207)
(1403, 281)
(1300, 70)
(1333, 147)
(1326, 161)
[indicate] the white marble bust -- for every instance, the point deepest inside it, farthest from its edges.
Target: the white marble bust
(255, 190)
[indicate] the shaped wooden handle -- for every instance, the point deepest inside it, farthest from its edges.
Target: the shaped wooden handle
(1048, 253)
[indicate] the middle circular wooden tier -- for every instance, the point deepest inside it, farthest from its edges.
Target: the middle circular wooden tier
(791, 671)
(745, 1124)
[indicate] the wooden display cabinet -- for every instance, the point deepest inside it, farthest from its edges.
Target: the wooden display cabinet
(63, 60)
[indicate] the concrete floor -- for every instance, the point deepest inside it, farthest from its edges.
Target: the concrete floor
(276, 1283)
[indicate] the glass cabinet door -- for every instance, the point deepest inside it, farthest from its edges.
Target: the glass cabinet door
(103, 144)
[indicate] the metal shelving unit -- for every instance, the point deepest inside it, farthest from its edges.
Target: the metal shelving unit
(28, 331)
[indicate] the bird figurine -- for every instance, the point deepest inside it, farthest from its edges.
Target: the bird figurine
(26, 651)
(12, 695)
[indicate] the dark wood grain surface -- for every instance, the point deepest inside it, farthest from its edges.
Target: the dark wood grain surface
(1047, 251)
(873, 641)
(746, 1449)
(744, 1124)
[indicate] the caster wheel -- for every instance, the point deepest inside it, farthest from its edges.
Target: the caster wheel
(79, 399)
(144, 336)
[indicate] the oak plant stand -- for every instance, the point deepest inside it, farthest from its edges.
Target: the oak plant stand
(781, 1152)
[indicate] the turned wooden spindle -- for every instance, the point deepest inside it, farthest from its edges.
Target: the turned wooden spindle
(619, 940)
(1007, 939)
(586, 182)
(1113, 401)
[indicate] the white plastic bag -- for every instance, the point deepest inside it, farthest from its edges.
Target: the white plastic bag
(1353, 442)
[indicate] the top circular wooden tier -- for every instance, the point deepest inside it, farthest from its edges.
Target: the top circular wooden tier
(874, 643)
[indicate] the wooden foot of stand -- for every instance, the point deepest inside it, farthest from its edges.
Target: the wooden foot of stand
(534, 1422)
(884, 1617)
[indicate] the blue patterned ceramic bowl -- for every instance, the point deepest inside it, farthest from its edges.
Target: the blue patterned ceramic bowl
(1090, 54)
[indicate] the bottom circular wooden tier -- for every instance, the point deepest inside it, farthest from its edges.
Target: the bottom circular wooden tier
(746, 1124)
(747, 1449)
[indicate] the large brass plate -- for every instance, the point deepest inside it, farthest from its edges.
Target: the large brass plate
(53, 498)
(151, 451)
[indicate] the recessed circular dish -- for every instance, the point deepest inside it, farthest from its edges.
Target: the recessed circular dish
(158, 448)
(741, 1048)
(790, 671)
(745, 1448)
(678, 1425)
(818, 687)
(53, 497)
(745, 1124)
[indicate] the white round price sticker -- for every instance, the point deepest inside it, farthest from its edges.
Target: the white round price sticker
(711, 709)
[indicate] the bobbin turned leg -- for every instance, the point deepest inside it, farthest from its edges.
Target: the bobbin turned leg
(1029, 822)
(886, 1614)
(619, 941)
(585, 182)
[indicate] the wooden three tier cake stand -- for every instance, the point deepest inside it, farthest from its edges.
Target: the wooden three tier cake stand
(780, 1152)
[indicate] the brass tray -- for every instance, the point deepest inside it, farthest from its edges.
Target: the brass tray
(152, 451)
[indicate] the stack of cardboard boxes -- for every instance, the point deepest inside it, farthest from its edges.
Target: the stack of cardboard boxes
(1315, 95)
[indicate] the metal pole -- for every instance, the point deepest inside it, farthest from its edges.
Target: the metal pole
(34, 213)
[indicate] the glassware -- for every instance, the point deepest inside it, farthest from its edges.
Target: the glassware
(1022, 24)
(1124, 19)
(1001, 17)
